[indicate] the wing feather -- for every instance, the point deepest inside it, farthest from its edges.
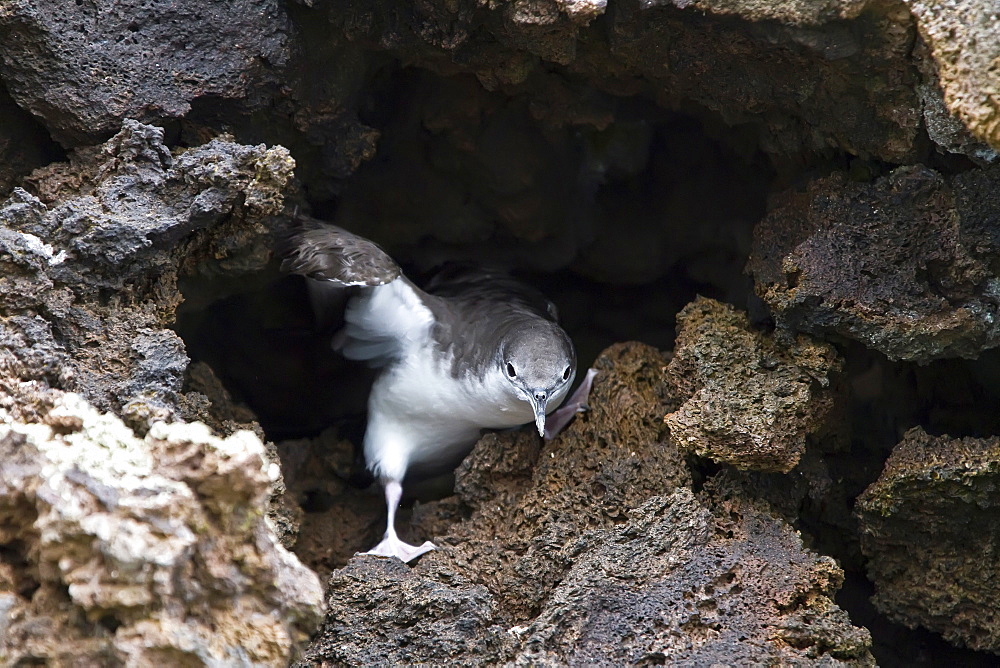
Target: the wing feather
(329, 253)
(385, 314)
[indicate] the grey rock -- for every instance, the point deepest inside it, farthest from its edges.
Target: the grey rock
(85, 67)
(93, 260)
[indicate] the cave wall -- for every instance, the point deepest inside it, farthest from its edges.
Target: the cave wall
(820, 171)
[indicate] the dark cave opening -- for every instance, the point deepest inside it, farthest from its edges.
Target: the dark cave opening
(620, 226)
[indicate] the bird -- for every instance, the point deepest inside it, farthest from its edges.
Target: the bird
(476, 350)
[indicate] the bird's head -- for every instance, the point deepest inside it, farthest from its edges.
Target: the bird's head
(539, 362)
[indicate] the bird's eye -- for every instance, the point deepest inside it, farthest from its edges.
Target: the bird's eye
(566, 373)
(510, 371)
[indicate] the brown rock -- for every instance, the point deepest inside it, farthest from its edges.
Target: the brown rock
(592, 549)
(930, 528)
(964, 40)
(127, 550)
(750, 401)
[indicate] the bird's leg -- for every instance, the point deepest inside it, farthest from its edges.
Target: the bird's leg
(391, 545)
(577, 403)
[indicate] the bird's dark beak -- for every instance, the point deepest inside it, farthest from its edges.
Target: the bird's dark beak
(538, 400)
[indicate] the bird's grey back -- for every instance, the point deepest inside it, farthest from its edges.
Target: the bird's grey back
(477, 309)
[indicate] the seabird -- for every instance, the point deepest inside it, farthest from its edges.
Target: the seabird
(476, 350)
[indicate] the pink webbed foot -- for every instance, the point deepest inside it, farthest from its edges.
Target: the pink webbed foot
(577, 403)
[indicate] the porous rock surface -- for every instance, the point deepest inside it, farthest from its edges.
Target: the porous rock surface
(84, 67)
(556, 135)
(964, 41)
(120, 550)
(749, 401)
(592, 549)
(930, 528)
(90, 262)
(124, 549)
(904, 265)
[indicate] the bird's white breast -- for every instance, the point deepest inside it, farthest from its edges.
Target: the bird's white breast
(420, 415)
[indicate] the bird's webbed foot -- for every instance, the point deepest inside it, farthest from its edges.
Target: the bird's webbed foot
(577, 403)
(392, 546)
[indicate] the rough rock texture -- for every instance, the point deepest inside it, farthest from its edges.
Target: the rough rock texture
(905, 265)
(24, 144)
(631, 143)
(384, 613)
(127, 551)
(90, 263)
(748, 70)
(794, 12)
(944, 128)
(84, 67)
(592, 549)
(678, 584)
(749, 401)
(91, 260)
(964, 40)
(930, 528)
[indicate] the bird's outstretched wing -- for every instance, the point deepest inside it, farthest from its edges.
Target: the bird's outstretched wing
(385, 314)
(329, 253)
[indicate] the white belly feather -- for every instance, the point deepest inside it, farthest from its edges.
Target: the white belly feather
(419, 415)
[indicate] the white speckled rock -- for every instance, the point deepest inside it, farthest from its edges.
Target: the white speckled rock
(143, 550)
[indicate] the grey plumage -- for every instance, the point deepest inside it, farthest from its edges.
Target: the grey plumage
(326, 252)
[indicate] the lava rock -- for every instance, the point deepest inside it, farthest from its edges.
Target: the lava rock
(964, 41)
(679, 585)
(90, 263)
(930, 528)
(592, 549)
(745, 61)
(904, 265)
(85, 67)
(123, 551)
(382, 612)
(944, 127)
(750, 401)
